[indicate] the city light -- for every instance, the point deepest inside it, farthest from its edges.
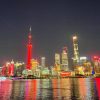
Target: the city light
(74, 37)
(61, 68)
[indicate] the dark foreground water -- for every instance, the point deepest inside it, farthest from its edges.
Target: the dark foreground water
(50, 89)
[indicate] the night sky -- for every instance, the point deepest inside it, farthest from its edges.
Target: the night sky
(53, 23)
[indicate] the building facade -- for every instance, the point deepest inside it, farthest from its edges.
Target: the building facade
(43, 63)
(64, 65)
(76, 51)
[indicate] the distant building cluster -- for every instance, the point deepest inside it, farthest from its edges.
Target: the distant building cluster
(61, 68)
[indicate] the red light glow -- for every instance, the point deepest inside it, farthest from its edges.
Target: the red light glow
(29, 56)
(98, 86)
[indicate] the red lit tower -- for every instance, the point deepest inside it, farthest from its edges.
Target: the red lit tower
(29, 50)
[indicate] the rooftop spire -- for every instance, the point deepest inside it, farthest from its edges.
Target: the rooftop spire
(29, 35)
(30, 29)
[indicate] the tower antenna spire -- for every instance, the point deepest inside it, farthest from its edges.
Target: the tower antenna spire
(30, 29)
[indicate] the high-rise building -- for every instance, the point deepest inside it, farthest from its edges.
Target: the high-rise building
(65, 59)
(43, 61)
(57, 58)
(76, 51)
(34, 64)
(29, 50)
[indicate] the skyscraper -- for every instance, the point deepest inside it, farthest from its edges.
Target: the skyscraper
(76, 51)
(29, 50)
(64, 59)
(57, 58)
(43, 61)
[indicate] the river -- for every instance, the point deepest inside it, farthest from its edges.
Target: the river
(50, 89)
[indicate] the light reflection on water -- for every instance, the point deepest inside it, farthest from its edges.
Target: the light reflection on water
(50, 89)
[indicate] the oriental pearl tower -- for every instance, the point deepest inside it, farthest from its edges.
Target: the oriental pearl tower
(29, 50)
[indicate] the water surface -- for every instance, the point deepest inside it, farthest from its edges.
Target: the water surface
(50, 89)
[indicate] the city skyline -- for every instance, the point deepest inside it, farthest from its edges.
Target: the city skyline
(53, 25)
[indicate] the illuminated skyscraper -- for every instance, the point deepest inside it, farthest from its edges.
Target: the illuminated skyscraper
(29, 50)
(65, 59)
(76, 52)
(57, 58)
(34, 64)
(43, 61)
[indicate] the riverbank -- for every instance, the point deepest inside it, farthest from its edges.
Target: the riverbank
(17, 78)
